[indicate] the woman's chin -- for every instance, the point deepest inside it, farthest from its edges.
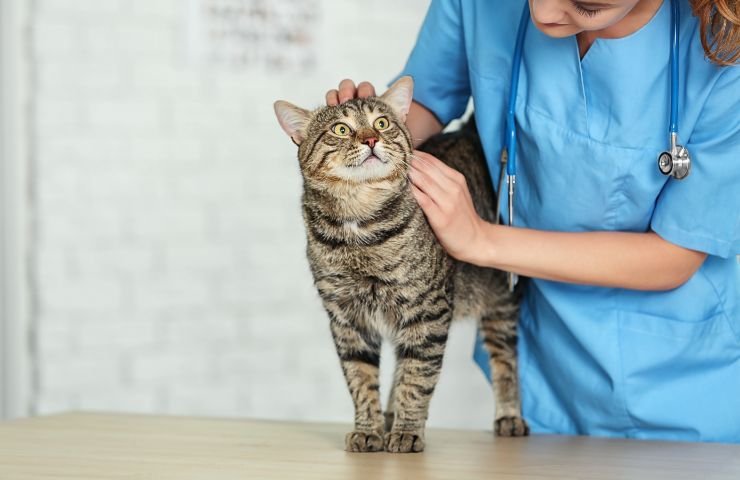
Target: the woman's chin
(557, 30)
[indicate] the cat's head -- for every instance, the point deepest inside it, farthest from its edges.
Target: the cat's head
(359, 141)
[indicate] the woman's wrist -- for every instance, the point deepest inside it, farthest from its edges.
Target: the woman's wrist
(483, 247)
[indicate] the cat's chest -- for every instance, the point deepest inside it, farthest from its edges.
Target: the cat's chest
(361, 249)
(375, 303)
(364, 275)
(352, 228)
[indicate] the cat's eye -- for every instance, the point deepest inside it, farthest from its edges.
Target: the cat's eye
(341, 130)
(381, 123)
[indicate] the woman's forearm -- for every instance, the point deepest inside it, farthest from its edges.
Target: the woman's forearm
(640, 261)
(421, 123)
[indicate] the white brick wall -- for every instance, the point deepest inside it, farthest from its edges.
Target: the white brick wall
(169, 250)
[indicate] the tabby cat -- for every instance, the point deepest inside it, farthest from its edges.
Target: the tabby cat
(380, 271)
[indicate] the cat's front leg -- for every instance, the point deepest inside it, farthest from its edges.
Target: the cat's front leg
(420, 345)
(359, 355)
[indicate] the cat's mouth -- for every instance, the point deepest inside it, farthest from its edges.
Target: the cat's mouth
(372, 167)
(371, 160)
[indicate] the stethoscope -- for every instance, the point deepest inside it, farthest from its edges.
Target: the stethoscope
(675, 162)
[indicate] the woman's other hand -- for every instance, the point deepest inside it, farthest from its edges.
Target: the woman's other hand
(443, 195)
(347, 91)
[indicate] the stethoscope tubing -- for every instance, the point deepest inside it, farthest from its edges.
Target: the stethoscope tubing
(675, 19)
(508, 154)
(513, 90)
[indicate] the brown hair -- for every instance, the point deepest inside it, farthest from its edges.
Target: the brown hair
(720, 29)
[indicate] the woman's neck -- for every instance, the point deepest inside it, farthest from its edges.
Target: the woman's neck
(637, 18)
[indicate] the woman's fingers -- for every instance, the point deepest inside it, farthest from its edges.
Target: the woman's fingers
(431, 210)
(428, 182)
(432, 162)
(332, 98)
(347, 90)
(420, 162)
(432, 169)
(365, 89)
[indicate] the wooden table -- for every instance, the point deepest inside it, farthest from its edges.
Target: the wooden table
(120, 446)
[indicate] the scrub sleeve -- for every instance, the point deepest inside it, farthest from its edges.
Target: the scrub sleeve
(702, 212)
(438, 62)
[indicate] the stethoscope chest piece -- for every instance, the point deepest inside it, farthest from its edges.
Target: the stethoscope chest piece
(676, 162)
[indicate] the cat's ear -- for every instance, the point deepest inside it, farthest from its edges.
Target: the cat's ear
(294, 120)
(399, 95)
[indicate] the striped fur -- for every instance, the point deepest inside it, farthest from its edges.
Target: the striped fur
(381, 273)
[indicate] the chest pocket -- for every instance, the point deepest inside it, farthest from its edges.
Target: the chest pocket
(570, 182)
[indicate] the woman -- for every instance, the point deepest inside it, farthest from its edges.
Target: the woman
(630, 325)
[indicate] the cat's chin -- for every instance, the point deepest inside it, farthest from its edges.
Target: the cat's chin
(370, 160)
(372, 168)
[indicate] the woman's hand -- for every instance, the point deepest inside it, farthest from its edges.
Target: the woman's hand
(445, 199)
(347, 91)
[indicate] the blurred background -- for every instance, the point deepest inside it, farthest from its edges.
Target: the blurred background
(152, 244)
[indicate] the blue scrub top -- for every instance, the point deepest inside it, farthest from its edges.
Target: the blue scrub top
(595, 360)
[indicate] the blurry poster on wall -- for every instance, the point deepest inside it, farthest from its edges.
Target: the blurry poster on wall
(266, 35)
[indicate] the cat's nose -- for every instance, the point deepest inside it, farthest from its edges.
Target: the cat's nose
(370, 141)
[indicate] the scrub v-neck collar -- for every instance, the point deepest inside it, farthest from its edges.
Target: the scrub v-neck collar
(622, 78)
(604, 94)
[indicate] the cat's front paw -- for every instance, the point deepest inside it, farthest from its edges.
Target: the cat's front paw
(363, 442)
(510, 427)
(404, 442)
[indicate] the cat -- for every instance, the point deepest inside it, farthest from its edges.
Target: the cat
(380, 271)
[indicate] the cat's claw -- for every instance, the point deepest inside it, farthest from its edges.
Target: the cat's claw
(510, 427)
(363, 442)
(404, 442)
